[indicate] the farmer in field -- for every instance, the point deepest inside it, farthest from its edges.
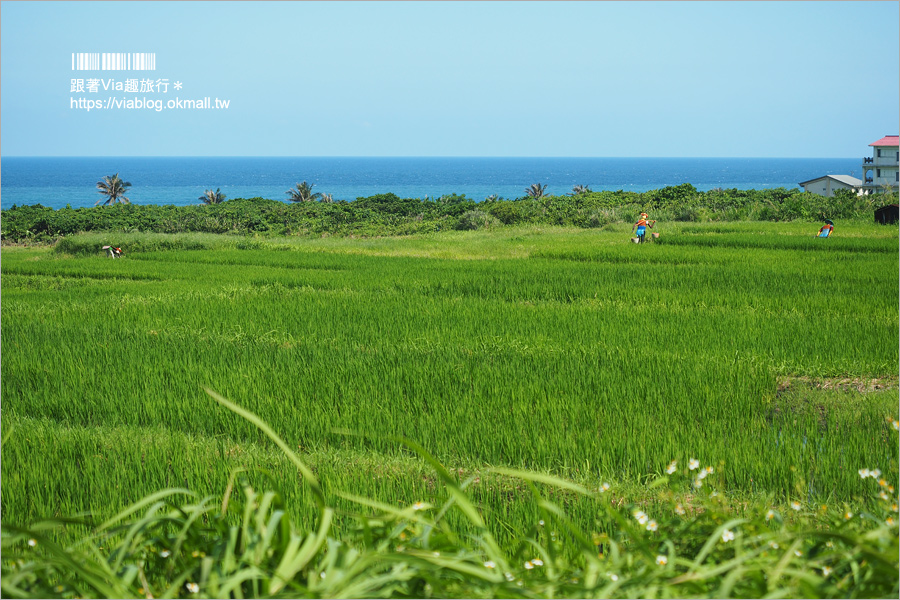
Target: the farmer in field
(827, 228)
(640, 228)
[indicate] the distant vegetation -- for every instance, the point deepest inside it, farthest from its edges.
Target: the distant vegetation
(302, 192)
(212, 197)
(113, 189)
(387, 214)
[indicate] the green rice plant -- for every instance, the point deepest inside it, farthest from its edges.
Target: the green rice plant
(574, 354)
(251, 548)
(91, 244)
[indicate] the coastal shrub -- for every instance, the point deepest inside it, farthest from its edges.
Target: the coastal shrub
(603, 217)
(390, 204)
(476, 219)
(763, 211)
(387, 214)
(689, 214)
(508, 212)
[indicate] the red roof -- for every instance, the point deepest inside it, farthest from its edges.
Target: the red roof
(888, 140)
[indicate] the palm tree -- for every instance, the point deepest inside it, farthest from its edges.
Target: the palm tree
(536, 190)
(302, 192)
(114, 189)
(212, 197)
(580, 189)
(327, 198)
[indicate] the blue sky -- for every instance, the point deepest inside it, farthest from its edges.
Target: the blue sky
(631, 79)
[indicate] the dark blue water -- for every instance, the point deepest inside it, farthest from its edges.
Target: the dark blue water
(56, 182)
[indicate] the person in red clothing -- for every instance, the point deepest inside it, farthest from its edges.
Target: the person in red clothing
(827, 228)
(640, 228)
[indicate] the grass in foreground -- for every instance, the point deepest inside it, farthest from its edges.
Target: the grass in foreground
(249, 547)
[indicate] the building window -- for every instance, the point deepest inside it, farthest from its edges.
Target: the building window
(877, 172)
(879, 153)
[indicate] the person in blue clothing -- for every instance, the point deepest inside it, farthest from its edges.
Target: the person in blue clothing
(826, 229)
(640, 228)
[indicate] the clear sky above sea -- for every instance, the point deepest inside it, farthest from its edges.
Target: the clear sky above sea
(629, 79)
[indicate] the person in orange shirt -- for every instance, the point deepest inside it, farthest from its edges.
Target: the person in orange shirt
(640, 228)
(827, 228)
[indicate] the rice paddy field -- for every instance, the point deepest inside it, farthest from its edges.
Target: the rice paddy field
(755, 348)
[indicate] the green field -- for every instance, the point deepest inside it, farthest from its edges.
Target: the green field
(753, 347)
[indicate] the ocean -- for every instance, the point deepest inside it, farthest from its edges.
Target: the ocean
(59, 181)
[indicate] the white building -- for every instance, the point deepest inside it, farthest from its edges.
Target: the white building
(827, 185)
(883, 168)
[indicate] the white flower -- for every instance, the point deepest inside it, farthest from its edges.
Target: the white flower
(848, 515)
(864, 473)
(826, 571)
(490, 564)
(795, 505)
(698, 483)
(679, 509)
(604, 488)
(672, 467)
(537, 562)
(641, 516)
(192, 587)
(876, 473)
(419, 506)
(890, 522)
(882, 495)
(613, 576)
(541, 522)
(508, 576)
(709, 470)
(32, 542)
(896, 424)
(773, 545)
(651, 525)
(770, 515)
(798, 553)
(702, 475)
(164, 553)
(727, 535)
(661, 559)
(693, 464)
(529, 565)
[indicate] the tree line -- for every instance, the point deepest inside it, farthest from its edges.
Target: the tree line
(309, 213)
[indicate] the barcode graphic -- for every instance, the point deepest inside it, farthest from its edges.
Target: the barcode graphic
(114, 61)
